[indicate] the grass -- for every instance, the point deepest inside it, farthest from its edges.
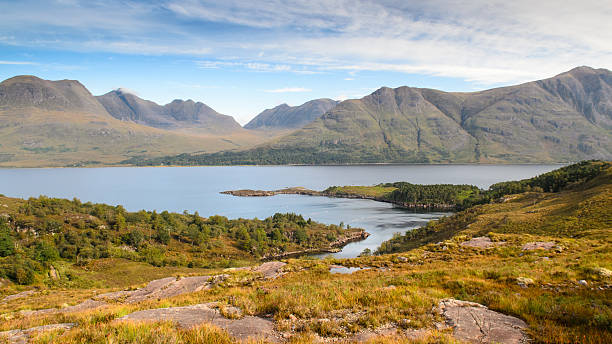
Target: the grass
(400, 288)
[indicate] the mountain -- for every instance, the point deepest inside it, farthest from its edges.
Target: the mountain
(60, 123)
(291, 117)
(178, 114)
(564, 118)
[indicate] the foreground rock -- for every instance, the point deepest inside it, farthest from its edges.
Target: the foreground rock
(482, 242)
(23, 336)
(156, 289)
(164, 288)
(475, 323)
(190, 316)
(18, 295)
(270, 270)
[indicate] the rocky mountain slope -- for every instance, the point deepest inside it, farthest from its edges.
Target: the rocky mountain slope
(291, 117)
(179, 114)
(59, 123)
(564, 118)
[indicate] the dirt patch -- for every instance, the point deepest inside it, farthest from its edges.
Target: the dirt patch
(22, 336)
(189, 316)
(475, 323)
(482, 242)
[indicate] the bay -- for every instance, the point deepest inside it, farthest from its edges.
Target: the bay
(197, 189)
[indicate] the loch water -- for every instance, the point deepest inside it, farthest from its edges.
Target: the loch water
(197, 189)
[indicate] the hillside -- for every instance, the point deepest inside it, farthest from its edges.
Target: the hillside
(564, 118)
(531, 267)
(59, 123)
(291, 117)
(178, 114)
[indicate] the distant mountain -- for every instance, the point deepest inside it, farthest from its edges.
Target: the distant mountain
(179, 114)
(291, 117)
(59, 123)
(62, 95)
(564, 118)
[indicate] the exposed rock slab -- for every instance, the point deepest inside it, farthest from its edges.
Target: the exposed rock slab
(22, 336)
(475, 323)
(18, 295)
(163, 288)
(482, 242)
(270, 270)
(190, 316)
(539, 245)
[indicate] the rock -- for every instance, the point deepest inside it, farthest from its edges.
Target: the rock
(524, 282)
(53, 274)
(23, 336)
(402, 259)
(164, 288)
(602, 272)
(19, 295)
(539, 245)
(482, 242)
(190, 316)
(583, 282)
(270, 270)
(475, 323)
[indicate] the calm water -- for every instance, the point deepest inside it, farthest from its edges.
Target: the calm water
(197, 189)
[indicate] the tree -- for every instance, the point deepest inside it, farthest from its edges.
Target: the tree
(163, 235)
(120, 223)
(301, 236)
(45, 251)
(7, 243)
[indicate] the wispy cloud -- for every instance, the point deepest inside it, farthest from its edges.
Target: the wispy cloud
(17, 63)
(289, 90)
(480, 41)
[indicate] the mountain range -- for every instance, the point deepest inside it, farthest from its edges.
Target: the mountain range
(179, 114)
(564, 118)
(60, 123)
(291, 117)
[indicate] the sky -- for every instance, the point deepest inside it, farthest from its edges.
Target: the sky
(241, 57)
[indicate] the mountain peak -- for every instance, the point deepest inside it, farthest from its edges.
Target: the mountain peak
(284, 116)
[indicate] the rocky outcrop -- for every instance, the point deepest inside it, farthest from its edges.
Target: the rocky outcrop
(18, 295)
(475, 323)
(248, 327)
(265, 193)
(482, 242)
(23, 336)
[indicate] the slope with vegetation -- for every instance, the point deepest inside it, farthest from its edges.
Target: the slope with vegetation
(560, 119)
(37, 232)
(542, 255)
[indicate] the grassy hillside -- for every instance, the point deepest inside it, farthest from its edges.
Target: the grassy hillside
(32, 137)
(562, 291)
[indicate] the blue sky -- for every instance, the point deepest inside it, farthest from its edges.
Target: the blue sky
(241, 57)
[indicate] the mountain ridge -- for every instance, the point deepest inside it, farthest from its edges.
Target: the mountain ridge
(564, 118)
(284, 116)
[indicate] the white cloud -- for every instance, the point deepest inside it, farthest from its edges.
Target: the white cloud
(485, 42)
(289, 90)
(17, 63)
